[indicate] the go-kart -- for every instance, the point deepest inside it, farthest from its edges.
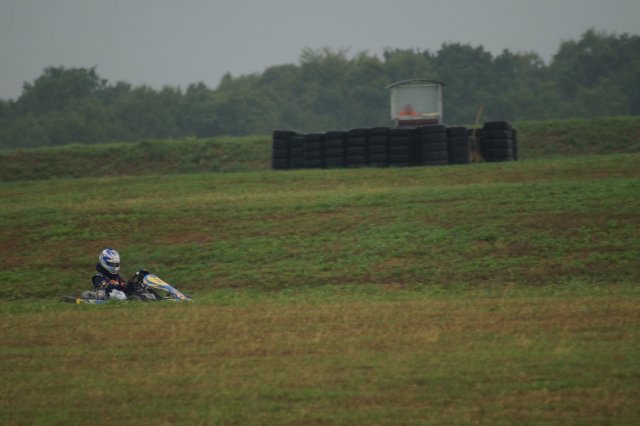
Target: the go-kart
(143, 286)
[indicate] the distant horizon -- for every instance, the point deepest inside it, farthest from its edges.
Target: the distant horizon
(176, 44)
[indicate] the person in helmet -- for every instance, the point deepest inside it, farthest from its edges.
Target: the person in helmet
(108, 283)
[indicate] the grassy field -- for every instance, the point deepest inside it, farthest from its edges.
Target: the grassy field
(493, 293)
(537, 139)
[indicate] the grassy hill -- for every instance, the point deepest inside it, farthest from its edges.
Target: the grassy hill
(544, 139)
(492, 293)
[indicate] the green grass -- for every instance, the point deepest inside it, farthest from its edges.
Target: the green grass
(188, 155)
(529, 223)
(493, 293)
(606, 135)
(541, 139)
(328, 355)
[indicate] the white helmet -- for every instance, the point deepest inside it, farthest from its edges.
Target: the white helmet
(110, 260)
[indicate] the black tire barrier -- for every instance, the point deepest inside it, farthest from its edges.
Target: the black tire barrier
(361, 132)
(458, 147)
(494, 150)
(379, 131)
(356, 151)
(497, 134)
(379, 160)
(297, 152)
(505, 143)
(335, 149)
(454, 132)
(281, 149)
(279, 164)
(356, 162)
(313, 150)
(434, 138)
(436, 156)
(378, 147)
(429, 145)
(432, 128)
(283, 134)
(281, 154)
(402, 147)
(497, 141)
(497, 125)
(434, 146)
(357, 147)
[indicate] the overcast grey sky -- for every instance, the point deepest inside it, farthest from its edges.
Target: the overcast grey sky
(178, 42)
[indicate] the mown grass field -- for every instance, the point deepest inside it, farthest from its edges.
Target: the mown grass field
(492, 293)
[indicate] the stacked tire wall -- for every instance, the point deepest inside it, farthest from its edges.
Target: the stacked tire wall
(458, 148)
(379, 147)
(335, 143)
(431, 145)
(402, 147)
(499, 141)
(357, 148)
(297, 151)
(281, 149)
(313, 151)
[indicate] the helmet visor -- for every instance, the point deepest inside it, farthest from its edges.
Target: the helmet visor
(112, 264)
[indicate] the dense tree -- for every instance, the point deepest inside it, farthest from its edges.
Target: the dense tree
(59, 88)
(330, 89)
(600, 63)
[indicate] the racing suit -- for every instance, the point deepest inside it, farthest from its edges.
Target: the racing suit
(104, 282)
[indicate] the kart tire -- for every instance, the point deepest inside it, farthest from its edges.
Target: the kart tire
(335, 135)
(356, 142)
(361, 132)
(497, 125)
(459, 152)
(378, 149)
(435, 156)
(497, 134)
(297, 163)
(356, 150)
(460, 160)
(433, 146)
(491, 144)
(433, 137)
(378, 140)
(281, 144)
(313, 164)
(356, 162)
(432, 128)
(281, 154)
(436, 163)
(334, 153)
(313, 145)
(283, 134)
(280, 164)
(379, 131)
(454, 132)
(333, 143)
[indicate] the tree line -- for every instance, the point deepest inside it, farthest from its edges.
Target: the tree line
(594, 76)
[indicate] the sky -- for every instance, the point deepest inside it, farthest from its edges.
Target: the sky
(180, 42)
